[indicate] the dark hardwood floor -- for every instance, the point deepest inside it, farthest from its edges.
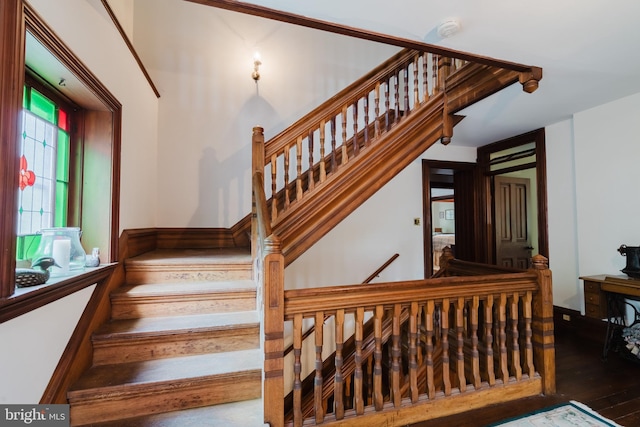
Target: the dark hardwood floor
(611, 387)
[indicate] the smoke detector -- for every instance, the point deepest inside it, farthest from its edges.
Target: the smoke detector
(448, 28)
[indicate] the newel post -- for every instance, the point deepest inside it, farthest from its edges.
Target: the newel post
(273, 385)
(543, 333)
(447, 255)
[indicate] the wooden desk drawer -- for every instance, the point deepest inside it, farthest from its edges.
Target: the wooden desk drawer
(591, 286)
(595, 301)
(592, 298)
(594, 311)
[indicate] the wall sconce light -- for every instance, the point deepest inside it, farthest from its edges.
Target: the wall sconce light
(256, 67)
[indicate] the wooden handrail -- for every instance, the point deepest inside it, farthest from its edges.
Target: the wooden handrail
(331, 298)
(381, 269)
(262, 212)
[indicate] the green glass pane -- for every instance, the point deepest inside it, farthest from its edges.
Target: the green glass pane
(42, 107)
(62, 168)
(27, 246)
(20, 245)
(25, 98)
(62, 197)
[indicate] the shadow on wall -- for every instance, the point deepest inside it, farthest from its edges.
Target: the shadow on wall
(224, 184)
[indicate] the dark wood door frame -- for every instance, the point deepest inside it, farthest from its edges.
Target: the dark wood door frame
(479, 211)
(463, 218)
(487, 234)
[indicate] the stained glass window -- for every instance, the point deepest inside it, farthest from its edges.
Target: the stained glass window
(43, 180)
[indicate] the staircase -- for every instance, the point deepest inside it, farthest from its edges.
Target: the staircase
(181, 346)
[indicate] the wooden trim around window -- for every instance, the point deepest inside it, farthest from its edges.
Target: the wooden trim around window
(38, 28)
(18, 305)
(12, 42)
(16, 18)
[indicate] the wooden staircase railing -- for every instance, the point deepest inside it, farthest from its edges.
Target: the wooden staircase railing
(474, 339)
(373, 275)
(315, 173)
(327, 163)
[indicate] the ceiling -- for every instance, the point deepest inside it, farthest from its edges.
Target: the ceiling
(588, 51)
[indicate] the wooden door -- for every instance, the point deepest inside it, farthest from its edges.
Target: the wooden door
(513, 239)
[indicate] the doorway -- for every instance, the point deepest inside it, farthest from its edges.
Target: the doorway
(472, 187)
(448, 206)
(514, 176)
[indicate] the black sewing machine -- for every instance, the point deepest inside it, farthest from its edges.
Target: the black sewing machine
(633, 260)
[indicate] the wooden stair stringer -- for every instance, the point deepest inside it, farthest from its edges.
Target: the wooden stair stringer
(309, 219)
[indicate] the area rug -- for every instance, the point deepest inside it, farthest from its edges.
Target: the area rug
(563, 415)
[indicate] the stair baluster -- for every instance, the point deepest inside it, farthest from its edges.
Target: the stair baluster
(444, 322)
(378, 396)
(358, 372)
(488, 340)
(515, 345)
(338, 387)
(395, 357)
(459, 331)
(475, 356)
(297, 369)
(310, 175)
(317, 384)
(413, 362)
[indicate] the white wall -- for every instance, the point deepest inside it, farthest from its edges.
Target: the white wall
(439, 219)
(32, 343)
(561, 214)
(380, 227)
(607, 177)
(593, 175)
(201, 59)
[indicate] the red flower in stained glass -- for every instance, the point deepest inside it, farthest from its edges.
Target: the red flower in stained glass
(25, 177)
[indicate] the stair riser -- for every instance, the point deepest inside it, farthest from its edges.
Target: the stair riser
(137, 276)
(134, 308)
(148, 348)
(108, 406)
